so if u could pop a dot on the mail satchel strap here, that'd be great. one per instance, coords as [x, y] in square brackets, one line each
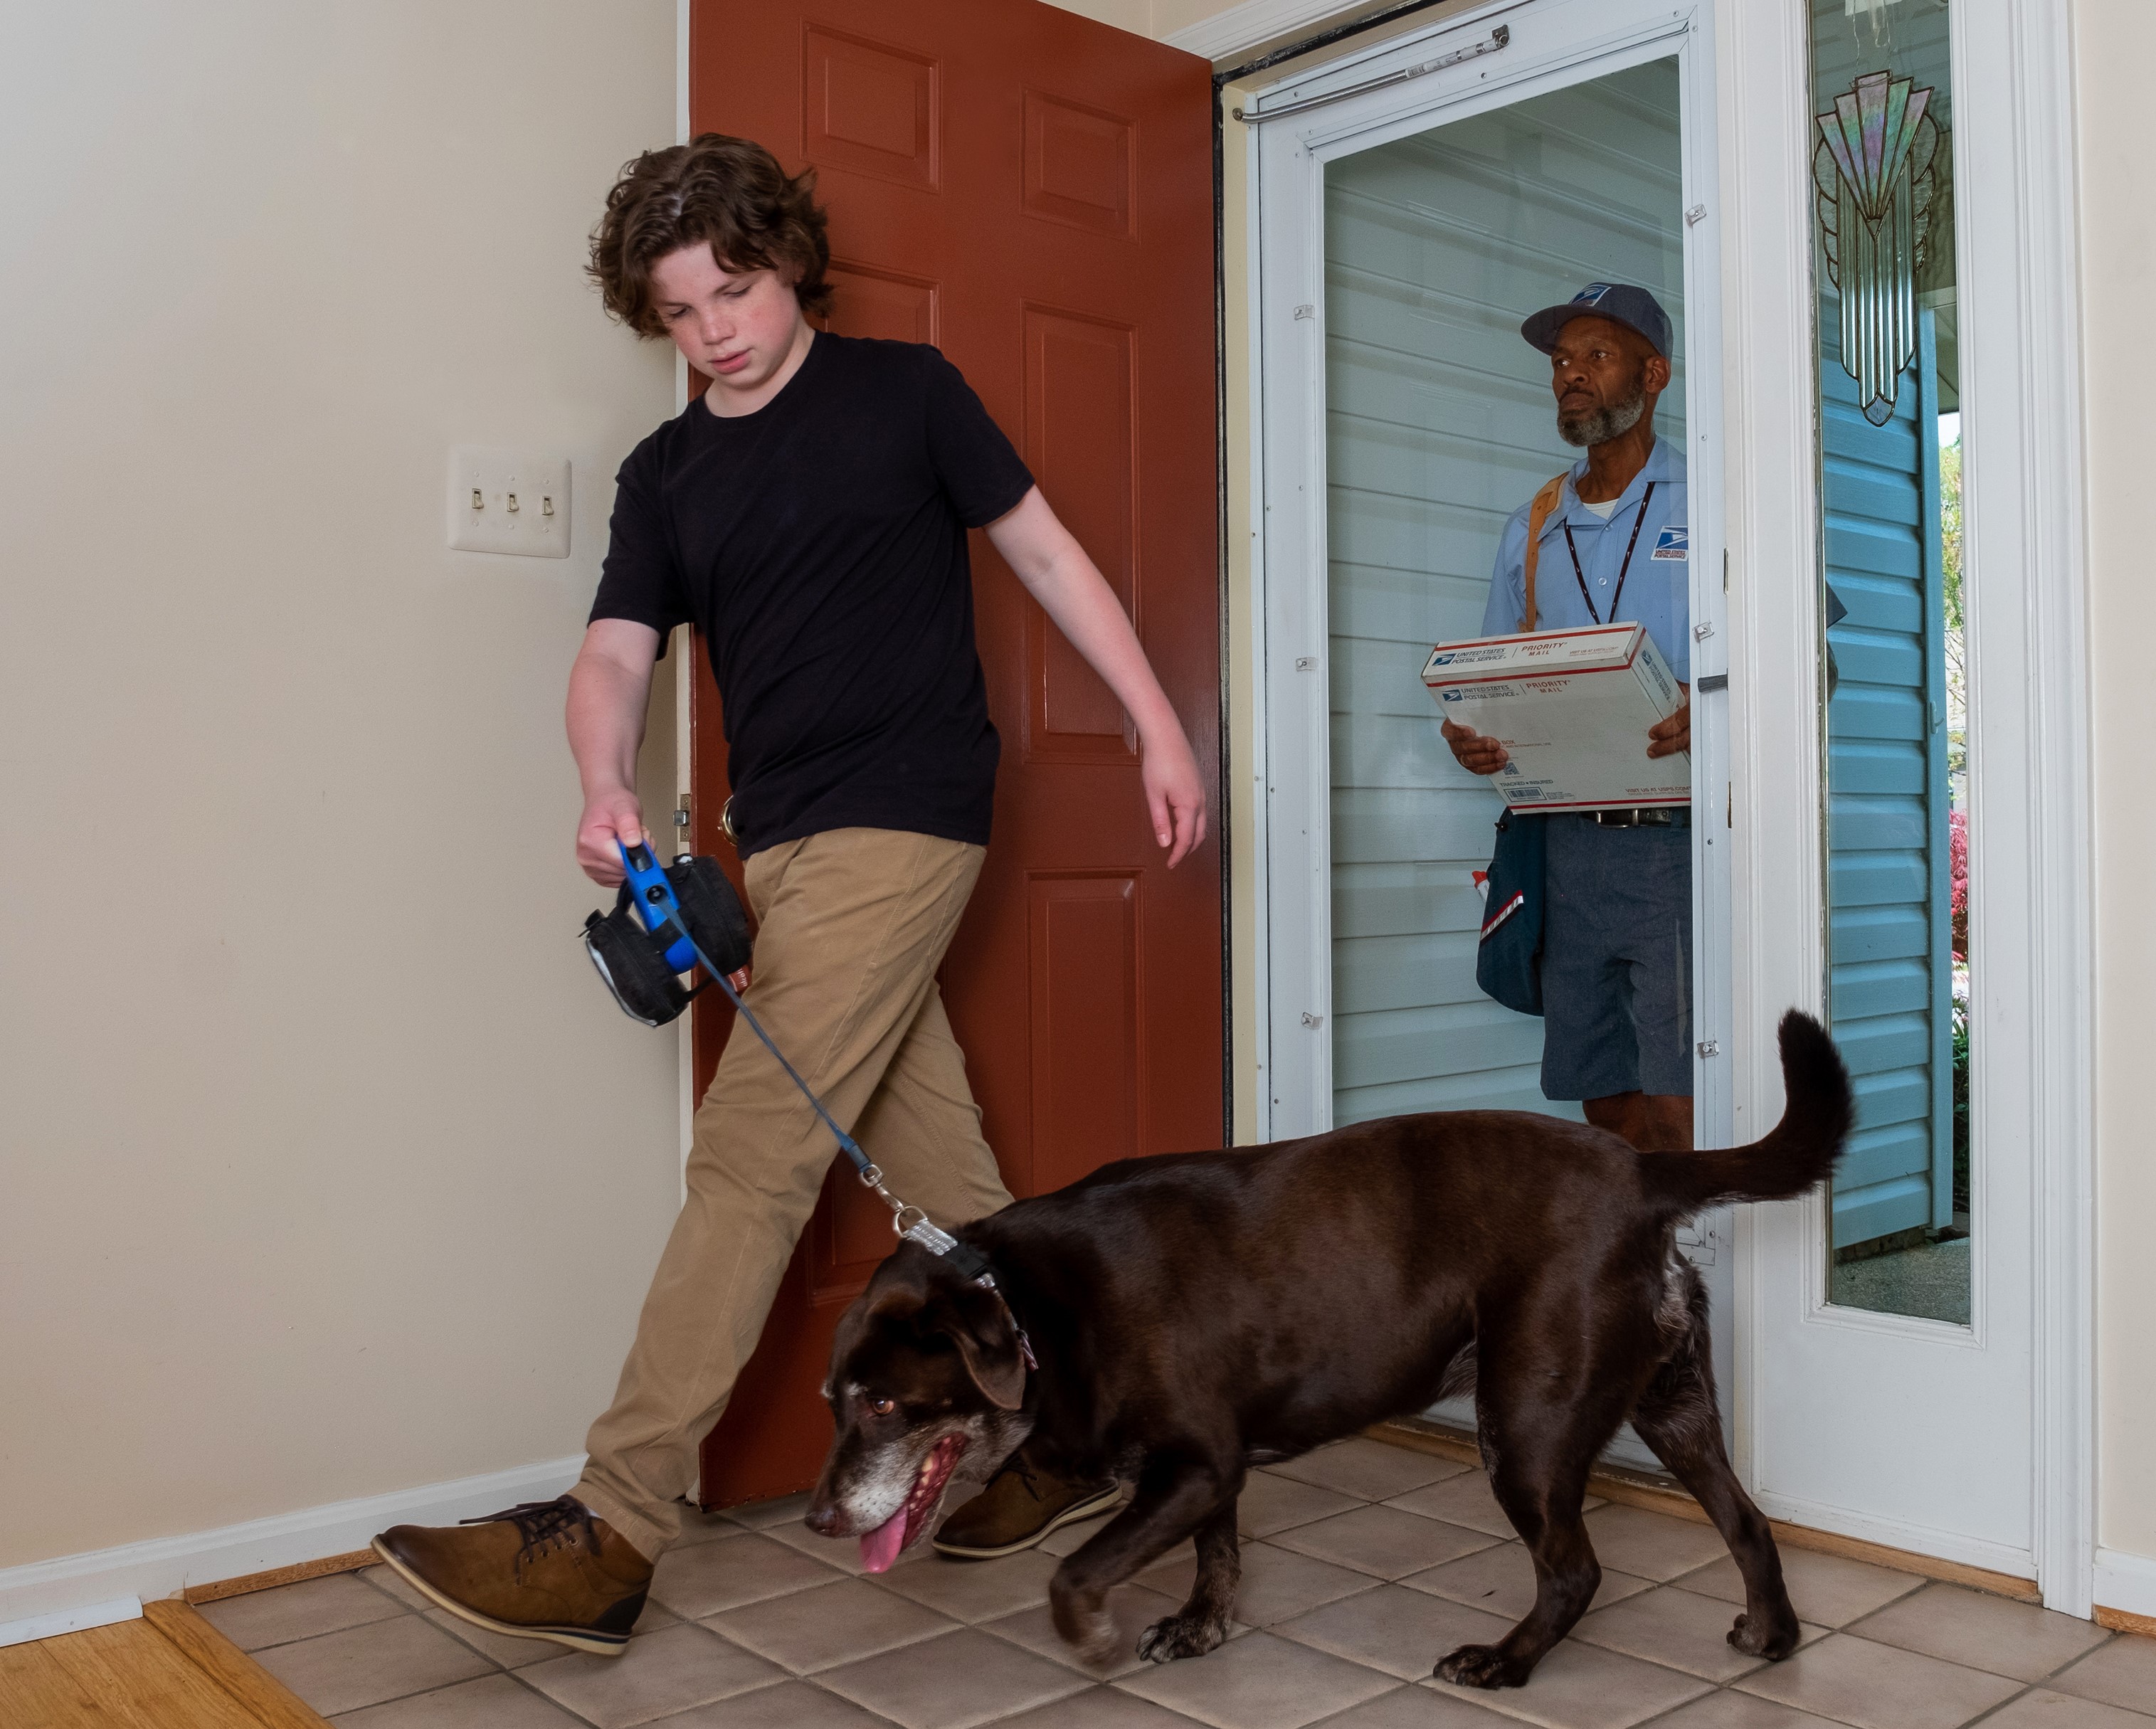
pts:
[1545, 501]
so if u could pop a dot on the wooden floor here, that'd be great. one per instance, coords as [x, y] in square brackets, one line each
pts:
[170, 1670]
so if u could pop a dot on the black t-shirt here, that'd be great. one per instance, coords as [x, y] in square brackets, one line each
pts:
[819, 545]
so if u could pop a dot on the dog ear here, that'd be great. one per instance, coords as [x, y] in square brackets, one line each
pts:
[988, 1344]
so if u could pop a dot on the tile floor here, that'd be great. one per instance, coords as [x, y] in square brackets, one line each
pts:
[1365, 1563]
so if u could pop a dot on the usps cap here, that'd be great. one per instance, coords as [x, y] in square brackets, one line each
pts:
[1619, 302]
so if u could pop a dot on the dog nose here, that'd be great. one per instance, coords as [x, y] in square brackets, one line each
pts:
[823, 1520]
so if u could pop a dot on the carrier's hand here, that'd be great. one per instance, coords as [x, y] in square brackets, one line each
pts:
[1174, 795]
[1472, 751]
[1666, 738]
[611, 820]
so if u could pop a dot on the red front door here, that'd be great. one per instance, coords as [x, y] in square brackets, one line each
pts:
[1031, 192]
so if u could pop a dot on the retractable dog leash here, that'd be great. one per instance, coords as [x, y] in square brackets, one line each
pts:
[666, 921]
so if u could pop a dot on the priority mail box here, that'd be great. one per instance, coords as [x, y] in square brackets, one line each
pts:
[1572, 708]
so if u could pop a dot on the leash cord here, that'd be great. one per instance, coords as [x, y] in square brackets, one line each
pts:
[847, 1144]
[967, 1261]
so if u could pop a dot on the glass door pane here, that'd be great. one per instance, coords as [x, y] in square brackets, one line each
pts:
[1440, 423]
[1889, 487]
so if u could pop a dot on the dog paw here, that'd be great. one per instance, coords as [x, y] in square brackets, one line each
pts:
[1773, 1640]
[1181, 1636]
[1481, 1666]
[1092, 1637]
[1085, 1625]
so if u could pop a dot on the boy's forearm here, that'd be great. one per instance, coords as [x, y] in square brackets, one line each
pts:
[1079, 602]
[605, 717]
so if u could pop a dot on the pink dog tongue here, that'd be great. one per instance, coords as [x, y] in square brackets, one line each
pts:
[881, 1546]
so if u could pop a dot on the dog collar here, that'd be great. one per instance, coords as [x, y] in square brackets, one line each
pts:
[967, 1262]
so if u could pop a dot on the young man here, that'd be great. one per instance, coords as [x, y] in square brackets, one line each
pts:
[1616, 963]
[808, 516]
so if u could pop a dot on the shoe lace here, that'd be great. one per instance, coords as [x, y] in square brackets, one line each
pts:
[546, 1524]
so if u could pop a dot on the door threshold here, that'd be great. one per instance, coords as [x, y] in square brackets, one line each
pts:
[171, 1662]
[1658, 1492]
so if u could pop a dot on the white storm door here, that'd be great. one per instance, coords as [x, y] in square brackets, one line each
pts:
[1922, 1388]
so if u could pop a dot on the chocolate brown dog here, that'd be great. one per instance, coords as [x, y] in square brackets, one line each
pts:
[1197, 1314]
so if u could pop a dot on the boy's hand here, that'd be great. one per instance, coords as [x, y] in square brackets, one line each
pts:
[1472, 751]
[611, 820]
[1174, 795]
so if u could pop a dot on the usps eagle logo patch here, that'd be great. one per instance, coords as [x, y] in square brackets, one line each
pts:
[1672, 543]
[1591, 295]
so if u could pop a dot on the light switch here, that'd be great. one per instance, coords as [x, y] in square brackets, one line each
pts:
[509, 502]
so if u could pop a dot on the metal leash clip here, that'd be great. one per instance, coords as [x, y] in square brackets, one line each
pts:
[968, 1262]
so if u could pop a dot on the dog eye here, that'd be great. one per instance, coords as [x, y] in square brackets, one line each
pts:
[883, 1407]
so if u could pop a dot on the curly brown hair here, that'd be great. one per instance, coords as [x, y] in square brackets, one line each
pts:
[727, 193]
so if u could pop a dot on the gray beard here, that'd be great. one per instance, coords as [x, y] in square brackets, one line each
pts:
[1599, 426]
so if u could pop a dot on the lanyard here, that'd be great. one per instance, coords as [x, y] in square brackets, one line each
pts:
[1623, 570]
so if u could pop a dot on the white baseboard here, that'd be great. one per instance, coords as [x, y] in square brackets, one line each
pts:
[167, 1565]
[91, 1614]
[2125, 1581]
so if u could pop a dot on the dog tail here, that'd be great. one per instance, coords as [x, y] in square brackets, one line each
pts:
[1801, 1150]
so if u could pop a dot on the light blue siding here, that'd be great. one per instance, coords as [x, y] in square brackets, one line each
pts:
[1891, 974]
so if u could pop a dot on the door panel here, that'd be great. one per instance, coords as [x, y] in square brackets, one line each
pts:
[1032, 191]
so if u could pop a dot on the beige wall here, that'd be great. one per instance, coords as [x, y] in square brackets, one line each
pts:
[323, 1176]
[354, 1187]
[1135, 15]
[2116, 42]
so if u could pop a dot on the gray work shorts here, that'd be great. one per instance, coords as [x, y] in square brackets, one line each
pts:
[1616, 963]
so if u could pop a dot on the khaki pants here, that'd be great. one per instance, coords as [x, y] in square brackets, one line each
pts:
[852, 926]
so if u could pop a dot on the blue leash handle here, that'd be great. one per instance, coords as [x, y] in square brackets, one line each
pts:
[653, 896]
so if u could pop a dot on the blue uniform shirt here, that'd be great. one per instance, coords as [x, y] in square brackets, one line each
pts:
[1657, 591]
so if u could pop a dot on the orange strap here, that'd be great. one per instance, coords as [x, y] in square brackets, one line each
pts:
[1538, 512]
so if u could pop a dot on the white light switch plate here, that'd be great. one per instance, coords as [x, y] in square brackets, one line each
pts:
[509, 502]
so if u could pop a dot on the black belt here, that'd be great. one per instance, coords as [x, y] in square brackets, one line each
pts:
[1644, 816]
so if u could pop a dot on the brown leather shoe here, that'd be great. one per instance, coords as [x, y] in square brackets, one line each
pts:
[1021, 1504]
[544, 1569]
